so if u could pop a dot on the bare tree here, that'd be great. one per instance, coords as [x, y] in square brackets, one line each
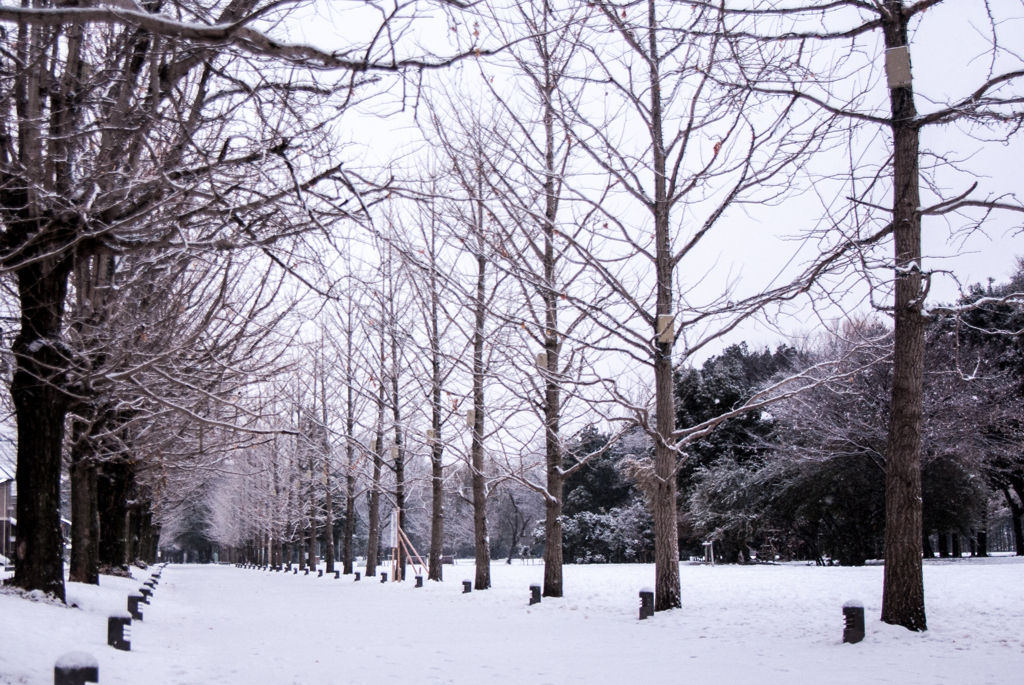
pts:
[423, 249]
[462, 144]
[693, 148]
[527, 247]
[847, 91]
[125, 132]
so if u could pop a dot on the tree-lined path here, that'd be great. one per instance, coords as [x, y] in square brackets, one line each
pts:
[221, 624]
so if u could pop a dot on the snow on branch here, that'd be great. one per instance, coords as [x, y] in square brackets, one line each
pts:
[1016, 299]
[237, 34]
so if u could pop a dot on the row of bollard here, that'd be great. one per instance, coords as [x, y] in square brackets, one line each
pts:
[853, 611]
[295, 571]
[320, 572]
[78, 668]
[119, 625]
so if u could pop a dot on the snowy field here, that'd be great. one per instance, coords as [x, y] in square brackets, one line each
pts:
[754, 624]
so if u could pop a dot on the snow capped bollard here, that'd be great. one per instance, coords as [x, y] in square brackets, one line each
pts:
[853, 612]
[419, 581]
[133, 606]
[295, 571]
[76, 668]
[357, 575]
[646, 603]
[337, 574]
[534, 594]
[145, 592]
[383, 577]
[320, 573]
[467, 586]
[119, 632]
[306, 573]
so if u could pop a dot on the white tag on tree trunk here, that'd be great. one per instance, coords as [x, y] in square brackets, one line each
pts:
[666, 328]
[897, 67]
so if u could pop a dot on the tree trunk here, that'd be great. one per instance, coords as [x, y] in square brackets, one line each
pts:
[146, 550]
[133, 523]
[85, 523]
[903, 589]
[553, 534]
[943, 546]
[350, 523]
[663, 495]
[396, 414]
[518, 528]
[350, 479]
[113, 485]
[435, 569]
[481, 546]
[550, 372]
[956, 549]
[329, 522]
[926, 545]
[981, 548]
[328, 494]
[40, 405]
[156, 541]
[313, 540]
[1016, 511]
[373, 536]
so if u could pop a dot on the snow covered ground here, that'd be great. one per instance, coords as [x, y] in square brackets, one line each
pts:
[763, 624]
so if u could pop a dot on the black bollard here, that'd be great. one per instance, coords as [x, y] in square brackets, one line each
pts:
[320, 573]
[357, 575]
[534, 594]
[76, 668]
[383, 577]
[467, 586]
[119, 634]
[306, 573]
[646, 603]
[295, 571]
[419, 581]
[145, 592]
[853, 612]
[337, 574]
[133, 606]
